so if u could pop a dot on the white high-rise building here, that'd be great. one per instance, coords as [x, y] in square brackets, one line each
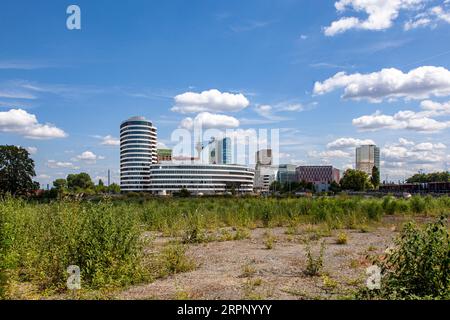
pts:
[138, 151]
[367, 157]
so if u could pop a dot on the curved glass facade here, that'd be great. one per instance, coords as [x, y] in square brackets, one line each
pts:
[206, 179]
[138, 143]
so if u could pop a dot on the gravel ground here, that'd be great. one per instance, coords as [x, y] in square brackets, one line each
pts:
[246, 269]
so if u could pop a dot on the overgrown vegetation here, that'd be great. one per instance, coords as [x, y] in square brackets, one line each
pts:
[42, 241]
[173, 260]
[418, 266]
[104, 238]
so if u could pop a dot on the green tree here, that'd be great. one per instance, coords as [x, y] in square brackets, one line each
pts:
[79, 181]
[335, 187]
[431, 177]
[375, 178]
[16, 171]
[60, 184]
[114, 188]
[355, 180]
[100, 188]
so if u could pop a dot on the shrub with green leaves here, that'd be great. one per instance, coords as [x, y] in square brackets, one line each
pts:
[418, 204]
[418, 267]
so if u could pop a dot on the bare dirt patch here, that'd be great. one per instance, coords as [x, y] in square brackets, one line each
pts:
[247, 269]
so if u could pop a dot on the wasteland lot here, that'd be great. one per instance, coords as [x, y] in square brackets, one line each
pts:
[218, 248]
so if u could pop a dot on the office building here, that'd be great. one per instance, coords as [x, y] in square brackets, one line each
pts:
[220, 151]
[264, 177]
[286, 173]
[320, 176]
[367, 157]
[138, 150]
[264, 157]
[207, 179]
[164, 155]
[265, 173]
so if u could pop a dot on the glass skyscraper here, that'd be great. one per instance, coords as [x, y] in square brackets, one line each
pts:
[220, 151]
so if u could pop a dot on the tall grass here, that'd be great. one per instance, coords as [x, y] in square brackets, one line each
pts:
[172, 216]
[39, 241]
[43, 240]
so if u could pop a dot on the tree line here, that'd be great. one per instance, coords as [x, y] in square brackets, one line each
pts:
[17, 171]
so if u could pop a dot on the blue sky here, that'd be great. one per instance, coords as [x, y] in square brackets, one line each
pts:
[328, 74]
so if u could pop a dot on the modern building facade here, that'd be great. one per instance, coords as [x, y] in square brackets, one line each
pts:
[264, 157]
[138, 151]
[220, 151]
[320, 176]
[367, 157]
[264, 177]
[265, 173]
[164, 155]
[208, 179]
[287, 173]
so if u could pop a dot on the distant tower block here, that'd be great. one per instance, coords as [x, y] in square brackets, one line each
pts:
[138, 151]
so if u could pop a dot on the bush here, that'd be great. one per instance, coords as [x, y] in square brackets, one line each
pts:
[418, 205]
[374, 210]
[389, 205]
[419, 265]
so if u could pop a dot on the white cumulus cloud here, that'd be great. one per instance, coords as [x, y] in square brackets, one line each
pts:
[422, 121]
[346, 143]
[212, 100]
[89, 156]
[60, 165]
[110, 141]
[430, 17]
[421, 83]
[32, 150]
[413, 156]
[208, 120]
[381, 14]
[20, 122]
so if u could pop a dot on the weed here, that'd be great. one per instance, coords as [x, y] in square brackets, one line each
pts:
[314, 264]
[342, 238]
[329, 284]
[174, 260]
[248, 270]
[269, 240]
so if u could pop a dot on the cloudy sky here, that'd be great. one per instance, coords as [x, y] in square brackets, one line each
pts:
[329, 74]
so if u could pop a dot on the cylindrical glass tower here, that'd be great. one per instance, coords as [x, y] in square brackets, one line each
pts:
[138, 150]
